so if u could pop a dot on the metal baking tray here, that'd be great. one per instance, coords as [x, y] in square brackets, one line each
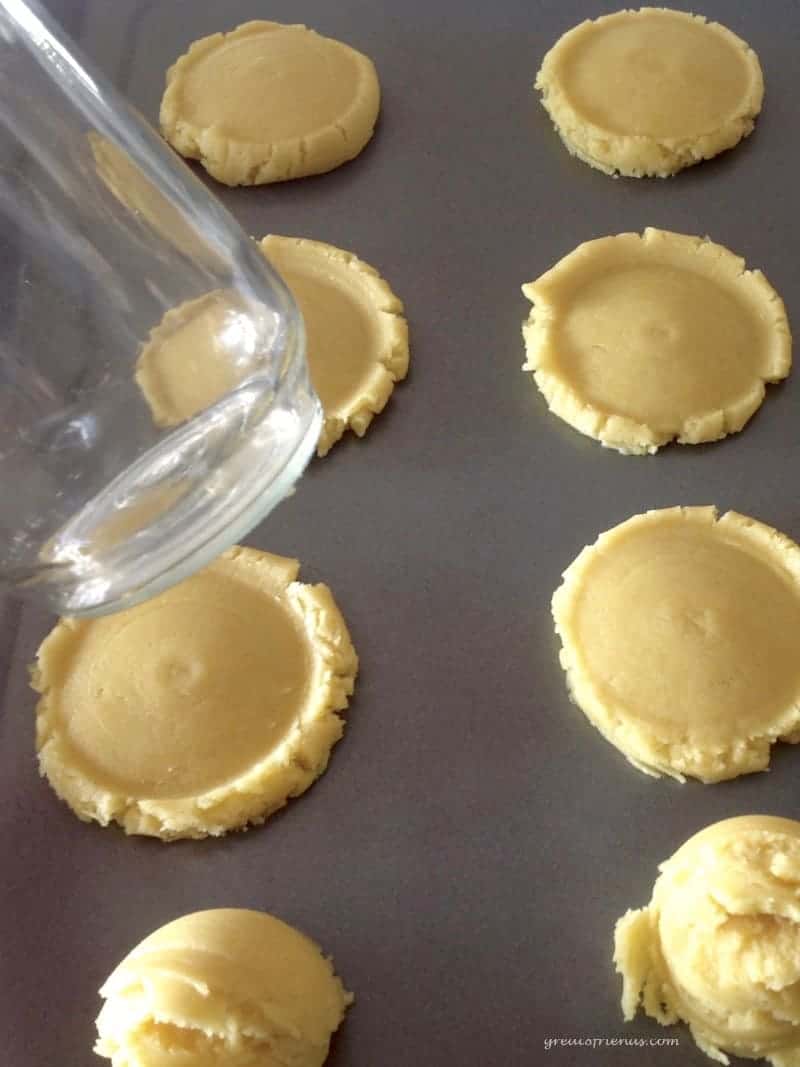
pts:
[473, 841]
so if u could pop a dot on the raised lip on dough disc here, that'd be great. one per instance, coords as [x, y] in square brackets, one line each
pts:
[696, 607]
[669, 346]
[249, 790]
[618, 147]
[363, 287]
[311, 148]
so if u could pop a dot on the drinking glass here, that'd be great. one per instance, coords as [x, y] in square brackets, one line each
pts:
[155, 401]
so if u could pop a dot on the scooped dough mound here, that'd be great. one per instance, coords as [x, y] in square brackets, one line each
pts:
[718, 944]
[268, 102]
[649, 92]
[357, 338]
[223, 988]
[637, 340]
[679, 640]
[198, 711]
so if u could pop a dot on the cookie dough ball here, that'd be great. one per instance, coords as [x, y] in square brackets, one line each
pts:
[679, 641]
[718, 944]
[268, 102]
[224, 988]
[637, 340]
[357, 338]
[649, 92]
[201, 710]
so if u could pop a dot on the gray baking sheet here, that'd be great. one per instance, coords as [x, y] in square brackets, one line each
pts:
[467, 852]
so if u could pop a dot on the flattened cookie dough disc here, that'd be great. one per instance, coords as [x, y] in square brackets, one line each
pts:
[679, 640]
[268, 102]
[717, 945]
[356, 335]
[637, 340]
[649, 92]
[200, 710]
[228, 987]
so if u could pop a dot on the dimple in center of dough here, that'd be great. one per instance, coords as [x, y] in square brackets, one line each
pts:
[657, 344]
[686, 629]
[183, 698]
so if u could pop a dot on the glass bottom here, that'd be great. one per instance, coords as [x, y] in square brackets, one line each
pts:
[184, 502]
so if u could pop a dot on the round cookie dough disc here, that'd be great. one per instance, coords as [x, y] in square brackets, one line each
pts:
[637, 340]
[228, 986]
[649, 92]
[268, 102]
[198, 711]
[717, 945]
[679, 640]
[357, 338]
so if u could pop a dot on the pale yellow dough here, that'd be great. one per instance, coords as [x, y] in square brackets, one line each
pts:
[719, 944]
[223, 988]
[649, 92]
[268, 102]
[189, 363]
[155, 212]
[679, 640]
[637, 340]
[357, 338]
[201, 710]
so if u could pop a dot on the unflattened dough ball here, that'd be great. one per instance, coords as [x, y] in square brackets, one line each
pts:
[718, 944]
[679, 640]
[222, 988]
[357, 338]
[198, 711]
[267, 102]
[637, 340]
[649, 92]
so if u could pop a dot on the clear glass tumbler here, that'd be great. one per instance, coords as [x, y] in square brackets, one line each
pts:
[155, 401]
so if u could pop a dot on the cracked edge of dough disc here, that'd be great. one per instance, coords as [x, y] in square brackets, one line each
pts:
[639, 155]
[642, 747]
[620, 432]
[391, 360]
[266, 786]
[237, 162]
